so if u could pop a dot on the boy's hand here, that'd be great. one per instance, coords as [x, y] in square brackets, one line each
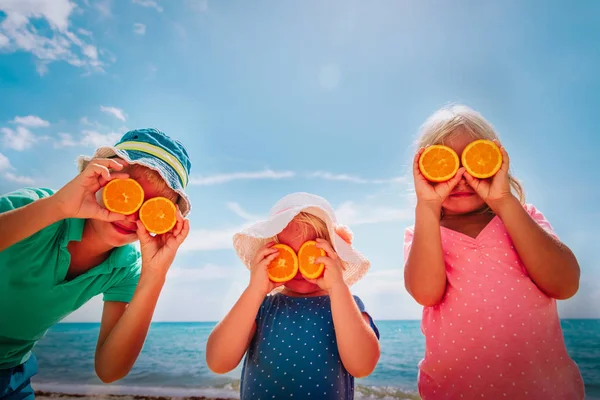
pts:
[259, 277]
[430, 193]
[158, 252]
[334, 269]
[77, 199]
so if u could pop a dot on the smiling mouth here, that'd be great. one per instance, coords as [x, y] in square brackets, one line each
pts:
[123, 230]
[462, 194]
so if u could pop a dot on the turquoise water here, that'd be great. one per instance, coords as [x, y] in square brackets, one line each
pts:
[173, 363]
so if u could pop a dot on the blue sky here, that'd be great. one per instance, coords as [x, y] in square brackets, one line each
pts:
[326, 97]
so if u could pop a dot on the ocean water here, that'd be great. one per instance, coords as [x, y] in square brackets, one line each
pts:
[173, 361]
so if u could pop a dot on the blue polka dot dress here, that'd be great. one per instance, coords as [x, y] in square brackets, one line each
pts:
[294, 353]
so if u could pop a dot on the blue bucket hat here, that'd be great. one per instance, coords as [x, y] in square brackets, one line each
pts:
[153, 149]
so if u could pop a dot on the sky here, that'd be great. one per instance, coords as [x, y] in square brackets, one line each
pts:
[277, 97]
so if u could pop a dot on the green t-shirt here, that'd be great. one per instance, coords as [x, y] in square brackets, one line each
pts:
[34, 294]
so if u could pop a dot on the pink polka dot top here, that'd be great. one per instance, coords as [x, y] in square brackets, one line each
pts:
[495, 335]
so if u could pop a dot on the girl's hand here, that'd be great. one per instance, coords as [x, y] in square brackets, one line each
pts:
[334, 269]
[259, 277]
[158, 252]
[77, 199]
[429, 193]
[496, 190]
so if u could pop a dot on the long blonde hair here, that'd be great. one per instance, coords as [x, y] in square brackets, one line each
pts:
[442, 124]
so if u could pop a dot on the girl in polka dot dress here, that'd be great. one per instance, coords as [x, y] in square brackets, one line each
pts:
[308, 338]
[488, 270]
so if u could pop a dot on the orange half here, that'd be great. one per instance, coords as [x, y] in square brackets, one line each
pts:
[123, 196]
[159, 215]
[438, 163]
[307, 256]
[285, 266]
[482, 158]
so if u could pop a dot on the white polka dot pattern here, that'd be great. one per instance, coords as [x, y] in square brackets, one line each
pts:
[495, 334]
[294, 352]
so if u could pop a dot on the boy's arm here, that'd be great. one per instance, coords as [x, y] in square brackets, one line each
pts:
[77, 199]
[550, 264]
[124, 329]
[230, 339]
[20, 223]
[357, 343]
[424, 270]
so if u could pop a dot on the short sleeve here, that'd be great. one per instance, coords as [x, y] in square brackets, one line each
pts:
[540, 219]
[409, 234]
[123, 290]
[362, 308]
[22, 197]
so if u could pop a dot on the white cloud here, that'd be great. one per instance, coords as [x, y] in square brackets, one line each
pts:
[66, 140]
[55, 44]
[224, 178]
[6, 168]
[116, 112]
[197, 5]
[239, 211]
[149, 4]
[354, 179]
[84, 32]
[103, 7]
[97, 139]
[350, 213]
[19, 179]
[384, 295]
[4, 162]
[211, 239]
[4, 41]
[208, 272]
[139, 29]
[18, 139]
[31, 121]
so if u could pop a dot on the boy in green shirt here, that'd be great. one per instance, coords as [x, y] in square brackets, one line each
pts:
[60, 249]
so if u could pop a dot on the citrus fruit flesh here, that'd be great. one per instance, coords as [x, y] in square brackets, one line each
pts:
[159, 215]
[438, 163]
[482, 158]
[307, 256]
[123, 196]
[285, 266]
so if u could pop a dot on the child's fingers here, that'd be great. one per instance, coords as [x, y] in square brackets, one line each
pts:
[325, 245]
[114, 175]
[142, 233]
[183, 234]
[416, 170]
[267, 260]
[109, 216]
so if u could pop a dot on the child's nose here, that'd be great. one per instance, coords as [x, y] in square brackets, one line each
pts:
[133, 217]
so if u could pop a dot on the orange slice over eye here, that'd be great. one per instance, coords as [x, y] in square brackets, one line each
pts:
[307, 256]
[159, 215]
[285, 266]
[438, 163]
[123, 196]
[482, 158]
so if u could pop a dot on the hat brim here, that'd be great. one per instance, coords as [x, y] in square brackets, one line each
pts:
[247, 242]
[155, 164]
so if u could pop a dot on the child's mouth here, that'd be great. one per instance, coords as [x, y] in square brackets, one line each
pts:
[122, 230]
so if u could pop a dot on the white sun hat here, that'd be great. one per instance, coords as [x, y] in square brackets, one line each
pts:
[248, 241]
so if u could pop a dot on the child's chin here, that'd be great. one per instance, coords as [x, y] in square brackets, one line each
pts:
[301, 286]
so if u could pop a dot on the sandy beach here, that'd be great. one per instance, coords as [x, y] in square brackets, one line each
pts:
[41, 395]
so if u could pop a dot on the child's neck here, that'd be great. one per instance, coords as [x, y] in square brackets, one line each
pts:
[470, 224]
[316, 293]
[87, 253]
